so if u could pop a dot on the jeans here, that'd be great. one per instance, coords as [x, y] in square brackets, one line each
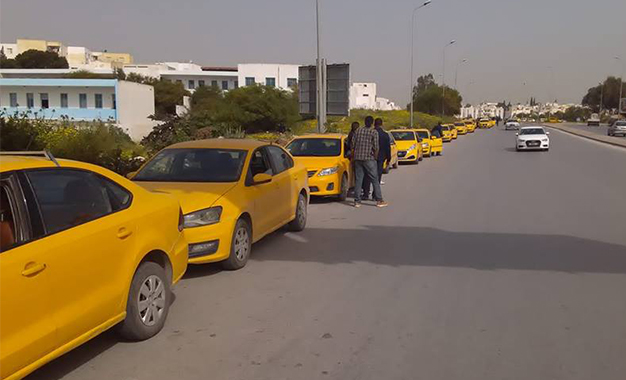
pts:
[367, 186]
[362, 169]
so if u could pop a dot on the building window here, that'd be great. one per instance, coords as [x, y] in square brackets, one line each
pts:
[82, 100]
[366, 94]
[113, 102]
[45, 102]
[13, 99]
[224, 85]
[214, 83]
[63, 100]
[200, 83]
[192, 84]
[270, 82]
[9, 50]
[249, 81]
[98, 100]
[236, 84]
[30, 100]
[292, 82]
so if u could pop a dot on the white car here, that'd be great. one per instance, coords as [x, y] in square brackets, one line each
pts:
[594, 120]
[511, 124]
[532, 138]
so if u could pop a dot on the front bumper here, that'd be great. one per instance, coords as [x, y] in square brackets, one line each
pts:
[215, 240]
[532, 145]
[408, 156]
[325, 185]
[179, 258]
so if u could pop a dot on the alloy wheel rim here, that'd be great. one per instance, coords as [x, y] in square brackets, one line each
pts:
[242, 243]
[151, 300]
[301, 211]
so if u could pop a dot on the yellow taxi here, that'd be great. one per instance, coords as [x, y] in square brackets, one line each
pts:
[461, 128]
[484, 123]
[325, 157]
[233, 192]
[447, 132]
[454, 132]
[471, 126]
[80, 253]
[432, 145]
[409, 147]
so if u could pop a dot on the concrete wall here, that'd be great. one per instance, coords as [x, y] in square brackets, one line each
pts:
[10, 50]
[260, 72]
[135, 103]
[363, 95]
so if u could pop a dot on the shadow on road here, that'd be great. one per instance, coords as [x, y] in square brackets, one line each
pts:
[429, 247]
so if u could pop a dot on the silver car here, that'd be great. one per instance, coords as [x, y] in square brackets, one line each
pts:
[618, 128]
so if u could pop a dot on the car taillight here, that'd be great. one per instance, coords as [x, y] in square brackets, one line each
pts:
[181, 220]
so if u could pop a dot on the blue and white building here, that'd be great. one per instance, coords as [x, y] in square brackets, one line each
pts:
[126, 104]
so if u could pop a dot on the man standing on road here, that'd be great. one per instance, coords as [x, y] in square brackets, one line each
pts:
[437, 130]
[353, 129]
[365, 148]
[384, 148]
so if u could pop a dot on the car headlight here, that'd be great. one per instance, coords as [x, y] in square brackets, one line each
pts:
[412, 147]
[424, 145]
[328, 171]
[204, 217]
[544, 140]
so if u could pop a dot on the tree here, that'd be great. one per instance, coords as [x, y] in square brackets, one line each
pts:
[167, 95]
[608, 91]
[206, 99]
[37, 59]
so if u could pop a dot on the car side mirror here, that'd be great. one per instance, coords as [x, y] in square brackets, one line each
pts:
[516, 134]
[547, 133]
[261, 178]
[131, 175]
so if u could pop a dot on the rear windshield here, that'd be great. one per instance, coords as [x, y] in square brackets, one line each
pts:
[403, 136]
[315, 147]
[194, 165]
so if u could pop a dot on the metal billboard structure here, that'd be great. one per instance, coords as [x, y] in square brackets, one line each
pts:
[333, 96]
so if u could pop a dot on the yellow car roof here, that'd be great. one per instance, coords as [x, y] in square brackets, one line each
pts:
[8, 163]
[247, 144]
[320, 136]
[422, 130]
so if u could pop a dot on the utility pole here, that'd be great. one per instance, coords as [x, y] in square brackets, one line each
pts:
[412, 55]
[456, 71]
[621, 86]
[321, 80]
[443, 79]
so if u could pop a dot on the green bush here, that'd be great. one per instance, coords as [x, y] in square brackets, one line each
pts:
[94, 142]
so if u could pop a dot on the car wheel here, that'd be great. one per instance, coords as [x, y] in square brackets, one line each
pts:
[240, 246]
[299, 222]
[344, 188]
[148, 303]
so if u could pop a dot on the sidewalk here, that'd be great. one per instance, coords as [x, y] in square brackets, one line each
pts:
[616, 141]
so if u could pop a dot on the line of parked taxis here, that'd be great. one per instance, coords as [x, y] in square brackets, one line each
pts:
[83, 249]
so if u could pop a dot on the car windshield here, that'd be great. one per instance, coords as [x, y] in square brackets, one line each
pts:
[621, 123]
[315, 147]
[404, 136]
[460, 124]
[532, 131]
[445, 127]
[194, 165]
[423, 134]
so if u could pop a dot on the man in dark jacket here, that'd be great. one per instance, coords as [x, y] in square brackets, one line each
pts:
[438, 130]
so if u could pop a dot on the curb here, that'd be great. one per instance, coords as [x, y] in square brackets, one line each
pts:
[598, 138]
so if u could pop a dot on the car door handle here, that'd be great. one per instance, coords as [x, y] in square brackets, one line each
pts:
[123, 233]
[31, 270]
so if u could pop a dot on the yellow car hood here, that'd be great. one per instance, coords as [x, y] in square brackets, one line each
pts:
[406, 144]
[316, 163]
[192, 196]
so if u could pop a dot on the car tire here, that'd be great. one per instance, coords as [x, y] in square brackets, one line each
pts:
[148, 303]
[345, 187]
[299, 223]
[240, 246]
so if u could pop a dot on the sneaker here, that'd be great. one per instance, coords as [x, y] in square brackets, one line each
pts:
[381, 204]
[357, 204]
[382, 182]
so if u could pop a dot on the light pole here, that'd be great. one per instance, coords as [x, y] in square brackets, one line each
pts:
[443, 79]
[621, 86]
[320, 107]
[456, 71]
[413, 53]
[601, 98]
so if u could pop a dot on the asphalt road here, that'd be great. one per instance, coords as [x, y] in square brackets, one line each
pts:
[488, 264]
[600, 130]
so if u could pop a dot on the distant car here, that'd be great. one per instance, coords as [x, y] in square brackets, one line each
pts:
[511, 124]
[393, 164]
[594, 119]
[447, 132]
[431, 144]
[532, 138]
[409, 145]
[618, 128]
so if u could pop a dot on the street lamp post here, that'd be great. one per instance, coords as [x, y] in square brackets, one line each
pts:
[412, 55]
[321, 115]
[456, 71]
[621, 86]
[443, 79]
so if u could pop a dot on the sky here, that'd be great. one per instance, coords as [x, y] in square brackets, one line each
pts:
[548, 49]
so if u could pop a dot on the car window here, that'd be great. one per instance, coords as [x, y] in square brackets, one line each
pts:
[403, 136]
[259, 164]
[8, 217]
[68, 197]
[119, 197]
[314, 147]
[281, 160]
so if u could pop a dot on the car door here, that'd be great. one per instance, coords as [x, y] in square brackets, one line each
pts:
[89, 240]
[284, 184]
[28, 331]
[263, 195]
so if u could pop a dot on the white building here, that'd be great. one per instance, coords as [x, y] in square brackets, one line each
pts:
[126, 104]
[482, 110]
[364, 96]
[274, 75]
